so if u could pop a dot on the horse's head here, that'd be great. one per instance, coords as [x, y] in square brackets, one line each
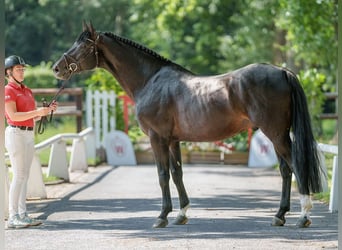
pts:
[81, 56]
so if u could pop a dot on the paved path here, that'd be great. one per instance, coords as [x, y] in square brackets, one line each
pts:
[114, 208]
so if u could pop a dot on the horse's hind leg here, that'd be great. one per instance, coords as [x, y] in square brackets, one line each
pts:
[284, 151]
[161, 153]
[177, 176]
[306, 205]
[286, 174]
[282, 145]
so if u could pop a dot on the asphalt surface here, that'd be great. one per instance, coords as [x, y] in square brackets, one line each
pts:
[115, 208]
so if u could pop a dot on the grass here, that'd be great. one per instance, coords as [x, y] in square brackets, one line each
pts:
[57, 126]
[329, 128]
[46, 179]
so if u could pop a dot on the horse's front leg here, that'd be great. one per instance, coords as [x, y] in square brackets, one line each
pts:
[161, 155]
[177, 176]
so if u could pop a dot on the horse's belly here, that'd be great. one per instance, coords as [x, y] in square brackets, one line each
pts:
[210, 130]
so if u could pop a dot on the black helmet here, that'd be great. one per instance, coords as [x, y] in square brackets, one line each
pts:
[13, 60]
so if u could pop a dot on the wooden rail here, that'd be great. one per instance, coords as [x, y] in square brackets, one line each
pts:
[65, 108]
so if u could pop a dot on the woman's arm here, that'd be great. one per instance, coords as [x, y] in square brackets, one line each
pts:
[11, 110]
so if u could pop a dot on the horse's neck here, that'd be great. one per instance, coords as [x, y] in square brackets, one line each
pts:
[131, 68]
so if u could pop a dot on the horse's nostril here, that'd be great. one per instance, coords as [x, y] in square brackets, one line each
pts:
[55, 69]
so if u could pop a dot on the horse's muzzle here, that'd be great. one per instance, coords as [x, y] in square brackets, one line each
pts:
[59, 74]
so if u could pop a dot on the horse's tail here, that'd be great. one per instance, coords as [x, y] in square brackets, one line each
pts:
[305, 160]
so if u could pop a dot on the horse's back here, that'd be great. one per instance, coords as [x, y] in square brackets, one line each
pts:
[196, 108]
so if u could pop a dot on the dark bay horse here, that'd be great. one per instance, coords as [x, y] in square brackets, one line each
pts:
[173, 105]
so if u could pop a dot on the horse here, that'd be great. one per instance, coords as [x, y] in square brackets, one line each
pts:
[172, 104]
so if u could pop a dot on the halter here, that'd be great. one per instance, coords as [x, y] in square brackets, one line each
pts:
[75, 65]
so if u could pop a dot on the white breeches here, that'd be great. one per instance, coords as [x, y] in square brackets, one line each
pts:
[20, 147]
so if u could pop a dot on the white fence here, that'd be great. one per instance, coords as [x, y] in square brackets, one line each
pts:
[100, 113]
[83, 148]
[332, 149]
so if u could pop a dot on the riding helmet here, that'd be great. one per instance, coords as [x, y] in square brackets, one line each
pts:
[12, 61]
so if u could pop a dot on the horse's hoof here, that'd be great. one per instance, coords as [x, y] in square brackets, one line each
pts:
[303, 222]
[181, 220]
[277, 222]
[160, 223]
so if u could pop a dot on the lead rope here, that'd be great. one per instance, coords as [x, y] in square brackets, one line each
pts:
[44, 120]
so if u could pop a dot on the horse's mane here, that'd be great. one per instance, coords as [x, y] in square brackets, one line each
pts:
[138, 46]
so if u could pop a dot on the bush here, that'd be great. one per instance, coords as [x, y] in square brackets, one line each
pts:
[40, 76]
[314, 84]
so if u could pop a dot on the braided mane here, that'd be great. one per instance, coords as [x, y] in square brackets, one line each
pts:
[137, 46]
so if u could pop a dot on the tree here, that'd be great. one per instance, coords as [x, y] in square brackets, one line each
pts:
[311, 32]
[41, 30]
[188, 32]
[256, 38]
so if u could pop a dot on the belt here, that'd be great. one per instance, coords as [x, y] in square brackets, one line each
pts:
[22, 127]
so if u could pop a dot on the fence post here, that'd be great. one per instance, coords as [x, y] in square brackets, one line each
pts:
[333, 203]
[78, 157]
[89, 138]
[332, 149]
[89, 108]
[36, 186]
[58, 161]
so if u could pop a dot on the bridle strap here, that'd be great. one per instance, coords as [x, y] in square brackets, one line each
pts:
[75, 65]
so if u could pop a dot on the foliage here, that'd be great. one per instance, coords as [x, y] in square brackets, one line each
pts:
[183, 30]
[314, 83]
[311, 26]
[40, 76]
[135, 133]
[239, 141]
[102, 80]
[256, 38]
[53, 25]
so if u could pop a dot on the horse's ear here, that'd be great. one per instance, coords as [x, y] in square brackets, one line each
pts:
[91, 28]
[84, 25]
[88, 27]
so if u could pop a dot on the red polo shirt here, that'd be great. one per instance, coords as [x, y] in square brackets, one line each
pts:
[24, 100]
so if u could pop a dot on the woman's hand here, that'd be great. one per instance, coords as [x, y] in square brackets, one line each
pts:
[44, 111]
[53, 105]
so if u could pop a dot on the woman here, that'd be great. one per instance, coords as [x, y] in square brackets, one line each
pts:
[21, 113]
